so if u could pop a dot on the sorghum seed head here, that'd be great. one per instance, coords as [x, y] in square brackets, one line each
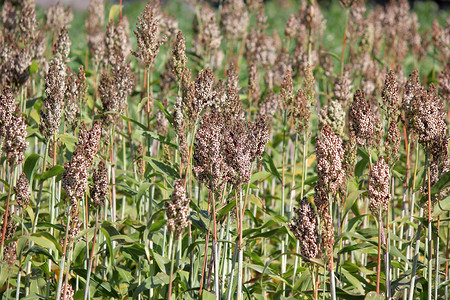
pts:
[305, 227]
[379, 179]
[99, 189]
[62, 44]
[363, 120]
[22, 191]
[392, 143]
[177, 209]
[390, 95]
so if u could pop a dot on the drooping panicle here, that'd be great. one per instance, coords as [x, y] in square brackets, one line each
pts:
[392, 143]
[444, 84]
[333, 114]
[7, 109]
[428, 116]
[62, 44]
[234, 19]
[94, 30]
[99, 189]
[114, 88]
[363, 120]
[390, 94]
[378, 190]
[55, 88]
[148, 34]
[412, 87]
[330, 171]
[209, 161]
[58, 16]
[75, 177]
[177, 209]
[179, 56]
[342, 89]
[22, 191]
[286, 91]
[300, 112]
[207, 33]
[14, 144]
[305, 227]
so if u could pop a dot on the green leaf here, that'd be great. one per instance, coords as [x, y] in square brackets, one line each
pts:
[143, 188]
[350, 201]
[442, 183]
[54, 171]
[43, 242]
[165, 111]
[103, 287]
[160, 279]
[109, 244]
[442, 206]
[141, 104]
[225, 210]
[114, 12]
[162, 262]
[354, 247]
[373, 296]
[135, 122]
[259, 176]
[353, 280]
[270, 166]
[162, 167]
[30, 165]
[34, 67]
[68, 140]
[157, 225]
[163, 139]
[36, 250]
[208, 295]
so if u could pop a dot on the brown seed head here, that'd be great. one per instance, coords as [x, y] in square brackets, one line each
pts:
[148, 35]
[378, 190]
[177, 209]
[305, 227]
[99, 190]
[390, 96]
[22, 191]
[55, 88]
[363, 120]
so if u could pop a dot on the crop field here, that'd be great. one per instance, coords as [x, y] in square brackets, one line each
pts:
[225, 150]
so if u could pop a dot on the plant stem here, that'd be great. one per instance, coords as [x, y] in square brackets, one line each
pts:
[91, 258]
[416, 257]
[171, 256]
[241, 251]
[63, 259]
[379, 251]
[6, 214]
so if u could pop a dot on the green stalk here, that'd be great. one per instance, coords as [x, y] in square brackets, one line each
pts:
[91, 258]
[416, 257]
[283, 196]
[170, 256]
[113, 177]
[233, 265]
[437, 266]
[6, 214]
[332, 277]
[240, 295]
[429, 238]
[379, 250]
[214, 249]
[297, 245]
[63, 259]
